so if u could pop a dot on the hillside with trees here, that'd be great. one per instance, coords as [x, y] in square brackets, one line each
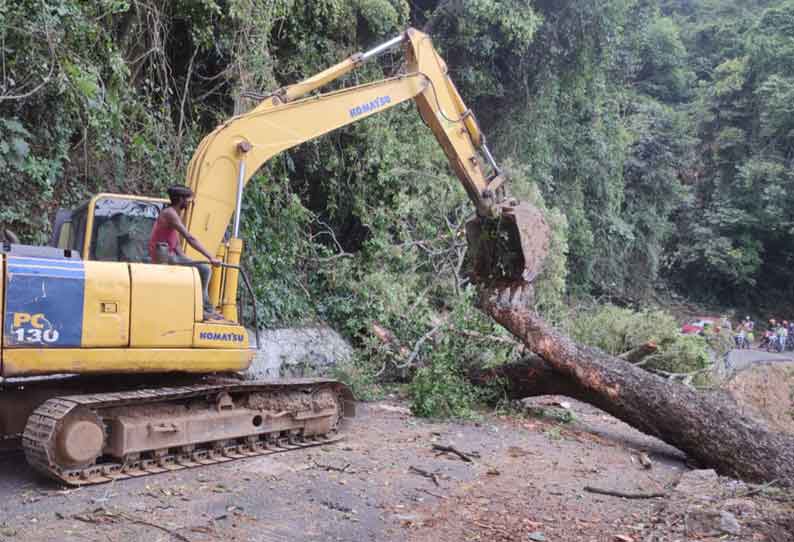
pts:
[656, 134]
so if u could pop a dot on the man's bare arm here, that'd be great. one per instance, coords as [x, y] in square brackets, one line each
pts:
[173, 219]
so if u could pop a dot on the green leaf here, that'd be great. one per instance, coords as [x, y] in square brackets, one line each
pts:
[14, 126]
[21, 148]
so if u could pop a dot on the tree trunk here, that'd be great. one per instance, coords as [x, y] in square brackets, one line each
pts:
[706, 427]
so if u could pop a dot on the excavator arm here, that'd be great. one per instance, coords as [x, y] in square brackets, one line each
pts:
[229, 156]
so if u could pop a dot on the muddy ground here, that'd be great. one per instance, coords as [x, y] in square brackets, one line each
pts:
[385, 482]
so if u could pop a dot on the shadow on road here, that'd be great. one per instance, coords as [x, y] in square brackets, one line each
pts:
[15, 474]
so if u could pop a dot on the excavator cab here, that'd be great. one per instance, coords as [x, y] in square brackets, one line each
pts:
[109, 228]
[117, 228]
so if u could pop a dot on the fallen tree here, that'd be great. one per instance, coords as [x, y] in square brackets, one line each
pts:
[704, 426]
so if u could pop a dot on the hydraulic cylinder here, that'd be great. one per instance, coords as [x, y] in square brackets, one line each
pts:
[234, 251]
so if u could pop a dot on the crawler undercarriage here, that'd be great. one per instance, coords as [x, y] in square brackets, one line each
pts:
[93, 438]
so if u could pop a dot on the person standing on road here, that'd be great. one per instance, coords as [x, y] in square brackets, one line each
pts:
[782, 334]
[748, 323]
[786, 335]
[164, 246]
[725, 323]
[741, 338]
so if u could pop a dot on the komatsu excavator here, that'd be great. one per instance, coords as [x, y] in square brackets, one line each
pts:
[93, 310]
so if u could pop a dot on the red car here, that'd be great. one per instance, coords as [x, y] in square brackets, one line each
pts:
[696, 325]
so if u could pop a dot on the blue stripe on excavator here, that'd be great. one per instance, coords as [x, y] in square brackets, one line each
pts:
[46, 262]
[44, 303]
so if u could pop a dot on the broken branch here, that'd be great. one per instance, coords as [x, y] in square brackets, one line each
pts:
[173, 533]
[639, 353]
[331, 467]
[452, 450]
[426, 474]
[623, 494]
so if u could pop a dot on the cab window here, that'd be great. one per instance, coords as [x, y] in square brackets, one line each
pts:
[122, 228]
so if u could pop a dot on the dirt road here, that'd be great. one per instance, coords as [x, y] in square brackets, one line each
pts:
[527, 484]
[529, 479]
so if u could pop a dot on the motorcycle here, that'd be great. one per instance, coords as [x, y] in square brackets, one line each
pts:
[766, 340]
[776, 344]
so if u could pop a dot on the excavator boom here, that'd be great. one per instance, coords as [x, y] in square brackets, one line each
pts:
[506, 238]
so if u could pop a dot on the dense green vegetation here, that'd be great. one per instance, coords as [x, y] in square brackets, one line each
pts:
[657, 134]
[616, 330]
[734, 234]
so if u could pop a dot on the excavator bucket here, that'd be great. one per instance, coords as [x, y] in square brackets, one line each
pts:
[512, 247]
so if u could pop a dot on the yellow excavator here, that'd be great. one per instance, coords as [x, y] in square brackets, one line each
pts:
[109, 370]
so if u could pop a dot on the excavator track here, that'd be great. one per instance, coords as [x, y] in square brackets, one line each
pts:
[86, 439]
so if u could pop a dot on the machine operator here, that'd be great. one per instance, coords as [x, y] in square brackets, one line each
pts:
[164, 245]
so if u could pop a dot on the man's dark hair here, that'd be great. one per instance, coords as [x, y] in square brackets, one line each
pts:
[177, 192]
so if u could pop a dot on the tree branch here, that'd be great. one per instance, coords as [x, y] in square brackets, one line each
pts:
[34, 90]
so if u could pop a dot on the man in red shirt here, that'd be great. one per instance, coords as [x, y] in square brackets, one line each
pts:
[165, 248]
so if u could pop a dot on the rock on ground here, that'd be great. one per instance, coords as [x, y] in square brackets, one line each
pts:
[706, 507]
[298, 352]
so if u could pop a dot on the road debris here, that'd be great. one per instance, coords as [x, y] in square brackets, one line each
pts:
[101, 516]
[624, 494]
[421, 472]
[467, 457]
[523, 484]
[332, 468]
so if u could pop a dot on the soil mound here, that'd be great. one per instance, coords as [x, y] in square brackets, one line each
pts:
[767, 392]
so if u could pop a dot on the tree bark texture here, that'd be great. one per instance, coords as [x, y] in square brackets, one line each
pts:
[706, 427]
